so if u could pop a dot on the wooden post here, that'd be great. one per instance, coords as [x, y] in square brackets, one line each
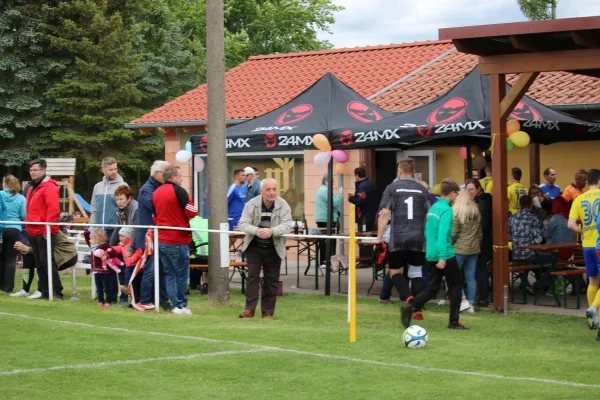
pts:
[71, 199]
[500, 199]
[534, 164]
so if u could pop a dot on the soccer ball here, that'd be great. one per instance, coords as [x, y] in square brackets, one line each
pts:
[415, 337]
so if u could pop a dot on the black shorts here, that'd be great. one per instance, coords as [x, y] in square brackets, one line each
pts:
[399, 259]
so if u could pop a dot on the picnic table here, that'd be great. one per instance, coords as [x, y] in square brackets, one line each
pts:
[554, 249]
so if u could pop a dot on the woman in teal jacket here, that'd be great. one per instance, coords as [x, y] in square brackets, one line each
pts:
[321, 214]
[13, 209]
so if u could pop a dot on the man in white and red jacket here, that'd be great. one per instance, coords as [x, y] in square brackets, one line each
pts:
[173, 207]
[41, 194]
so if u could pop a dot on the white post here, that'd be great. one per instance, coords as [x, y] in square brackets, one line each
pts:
[49, 259]
[156, 272]
[224, 239]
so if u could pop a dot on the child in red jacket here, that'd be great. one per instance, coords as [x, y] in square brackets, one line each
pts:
[105, 278]
[125, 238]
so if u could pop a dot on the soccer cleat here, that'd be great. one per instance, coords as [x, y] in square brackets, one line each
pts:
[406, 315]
[418, 316]
[247, 314]
[457, 325]
[20, 293]
[590, 314]
[143, 307]
[178, 311]
[36, 295]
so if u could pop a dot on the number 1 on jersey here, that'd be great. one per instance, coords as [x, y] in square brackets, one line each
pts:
[409, 205]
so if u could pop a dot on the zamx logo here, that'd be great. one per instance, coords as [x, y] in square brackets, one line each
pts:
[425, 131]
[362, 112]
[346, 138]
[448, 112]
[270, 140]
[204, 143]
[524, 111]
[295, 114]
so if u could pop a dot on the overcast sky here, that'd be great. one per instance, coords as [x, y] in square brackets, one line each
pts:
[373, 22]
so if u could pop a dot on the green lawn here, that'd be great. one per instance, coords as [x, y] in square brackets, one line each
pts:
[303, 354]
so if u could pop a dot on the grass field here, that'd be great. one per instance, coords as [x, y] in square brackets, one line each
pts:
[75, 350]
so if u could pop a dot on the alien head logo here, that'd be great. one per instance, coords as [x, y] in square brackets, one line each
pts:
[362, 112]
[295, 114]
[448, 112]
[524, 111]
[346, 137]
[270, 140]
[425, 131]
[204, 143]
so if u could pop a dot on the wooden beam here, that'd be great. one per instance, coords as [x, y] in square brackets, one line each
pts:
[516, 93]
[528, 43]
[589, 39]
[572, 60]
[500, 199]
[534, 164]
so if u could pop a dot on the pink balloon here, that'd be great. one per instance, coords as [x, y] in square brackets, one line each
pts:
[198, 163]
[322, 159]
[463, 153]
[340, 156]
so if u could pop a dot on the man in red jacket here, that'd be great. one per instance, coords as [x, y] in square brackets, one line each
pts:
[173, 207]
[42, 206]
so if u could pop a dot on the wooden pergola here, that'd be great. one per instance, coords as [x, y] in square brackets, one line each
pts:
[524, 48]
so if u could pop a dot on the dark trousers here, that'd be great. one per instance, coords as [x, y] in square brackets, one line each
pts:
[8, 259]
[269, 260]
[28, 271]
[106, 285]
[453, 280]
[38, 245]
[323, 245]
[364, 226]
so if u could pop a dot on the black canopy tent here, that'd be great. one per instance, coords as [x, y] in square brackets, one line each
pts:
[326, 105]
[461, 117]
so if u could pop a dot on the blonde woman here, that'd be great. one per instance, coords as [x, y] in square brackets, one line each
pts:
[466, 238]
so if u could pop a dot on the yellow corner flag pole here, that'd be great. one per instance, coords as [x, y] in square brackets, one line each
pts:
[352, 277]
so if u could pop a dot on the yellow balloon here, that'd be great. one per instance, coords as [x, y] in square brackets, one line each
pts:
[520, 138]
[436, 190]
[321, 142]
[512, 126]
[339, 168]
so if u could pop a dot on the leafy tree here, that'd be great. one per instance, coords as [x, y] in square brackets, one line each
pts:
[538, 9]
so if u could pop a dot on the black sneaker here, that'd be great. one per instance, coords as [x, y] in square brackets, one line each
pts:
[204, 288]
[166, 307]
[406, 313]
[457, 325]
[123, 303]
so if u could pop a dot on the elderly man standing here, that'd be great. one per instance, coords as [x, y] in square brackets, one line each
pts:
[253, 188]
[145, 216]
[104, 206]
[265, 219]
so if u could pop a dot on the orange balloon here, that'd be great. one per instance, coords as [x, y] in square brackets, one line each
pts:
[339, 168]
[321, 142]
[512, 126]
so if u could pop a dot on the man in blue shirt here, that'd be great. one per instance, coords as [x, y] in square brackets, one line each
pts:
[236, 198]
[549, 188]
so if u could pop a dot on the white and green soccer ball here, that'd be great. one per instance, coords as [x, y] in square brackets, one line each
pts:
[415, 337]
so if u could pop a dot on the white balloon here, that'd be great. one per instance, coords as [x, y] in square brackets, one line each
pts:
[322, 159]
[198, 163]
[183, 156]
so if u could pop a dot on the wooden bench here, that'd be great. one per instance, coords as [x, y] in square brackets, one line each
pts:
[571, 273]
[240, 267]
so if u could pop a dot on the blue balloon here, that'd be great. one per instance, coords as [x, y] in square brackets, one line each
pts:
[188, 146]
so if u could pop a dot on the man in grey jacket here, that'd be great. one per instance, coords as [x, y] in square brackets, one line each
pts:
[265, 219]
[104, 205]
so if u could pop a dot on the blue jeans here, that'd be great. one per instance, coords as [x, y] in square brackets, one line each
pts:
[469, 264]
[147, 293]
[176, 261]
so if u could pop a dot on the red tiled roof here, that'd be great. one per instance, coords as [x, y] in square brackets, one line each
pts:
[264, 83]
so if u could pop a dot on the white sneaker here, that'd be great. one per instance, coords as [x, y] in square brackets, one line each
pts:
[187, 311]
[178, 311]
[20, 293]
[464, 305]
[470, 310]
[442, 302]
[36, 295]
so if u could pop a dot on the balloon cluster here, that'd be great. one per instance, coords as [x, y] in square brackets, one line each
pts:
[326, 154]
[184, 156]
[515, 136]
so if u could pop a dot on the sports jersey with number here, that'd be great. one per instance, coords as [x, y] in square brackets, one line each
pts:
[515, 192]
[585, 208]
[408, 202]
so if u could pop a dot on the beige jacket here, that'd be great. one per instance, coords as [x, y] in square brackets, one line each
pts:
[281, 222]
[466, 237]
